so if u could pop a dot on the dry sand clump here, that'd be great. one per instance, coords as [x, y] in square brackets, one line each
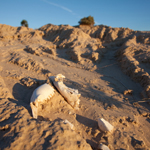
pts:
[12, 35]
[72, 39]
[109, 67]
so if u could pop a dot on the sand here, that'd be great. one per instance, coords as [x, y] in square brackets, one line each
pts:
[109, 67]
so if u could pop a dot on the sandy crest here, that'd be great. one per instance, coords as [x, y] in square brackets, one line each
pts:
[105, 64]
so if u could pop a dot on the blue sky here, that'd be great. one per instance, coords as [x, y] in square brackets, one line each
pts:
[134, 14]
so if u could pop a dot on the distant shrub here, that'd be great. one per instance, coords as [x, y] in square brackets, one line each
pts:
[87, 21]
[24, 23]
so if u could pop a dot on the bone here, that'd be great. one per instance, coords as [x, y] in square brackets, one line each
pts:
[40, 95]
[70, 124]
[103, 147]
[105, 125]
[71, 95]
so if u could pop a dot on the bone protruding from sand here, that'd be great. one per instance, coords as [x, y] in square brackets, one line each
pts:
[70, 124]
[103, 147]
[40, 95]
[71, 95]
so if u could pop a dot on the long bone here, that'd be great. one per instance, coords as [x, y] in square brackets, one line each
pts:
[71, 95]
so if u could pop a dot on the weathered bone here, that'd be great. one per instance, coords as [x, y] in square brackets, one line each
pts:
[70, 124]
[71, 95]
[103, 147]
[40, 94]
[104, 125]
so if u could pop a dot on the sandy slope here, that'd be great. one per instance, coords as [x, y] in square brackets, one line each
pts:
[103, 63]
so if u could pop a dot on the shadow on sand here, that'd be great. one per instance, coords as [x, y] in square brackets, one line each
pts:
[94, 125]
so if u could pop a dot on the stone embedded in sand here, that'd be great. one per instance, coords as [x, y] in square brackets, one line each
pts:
[104, 125]
[103, 147]
[71, 95]
[41, 94]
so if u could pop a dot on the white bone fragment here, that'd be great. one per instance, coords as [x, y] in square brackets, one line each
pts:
[104, 125]
[71, 95]
[40, 94]
[103, 147]
[70, 124]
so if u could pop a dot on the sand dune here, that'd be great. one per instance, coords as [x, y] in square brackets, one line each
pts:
[109, 67]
